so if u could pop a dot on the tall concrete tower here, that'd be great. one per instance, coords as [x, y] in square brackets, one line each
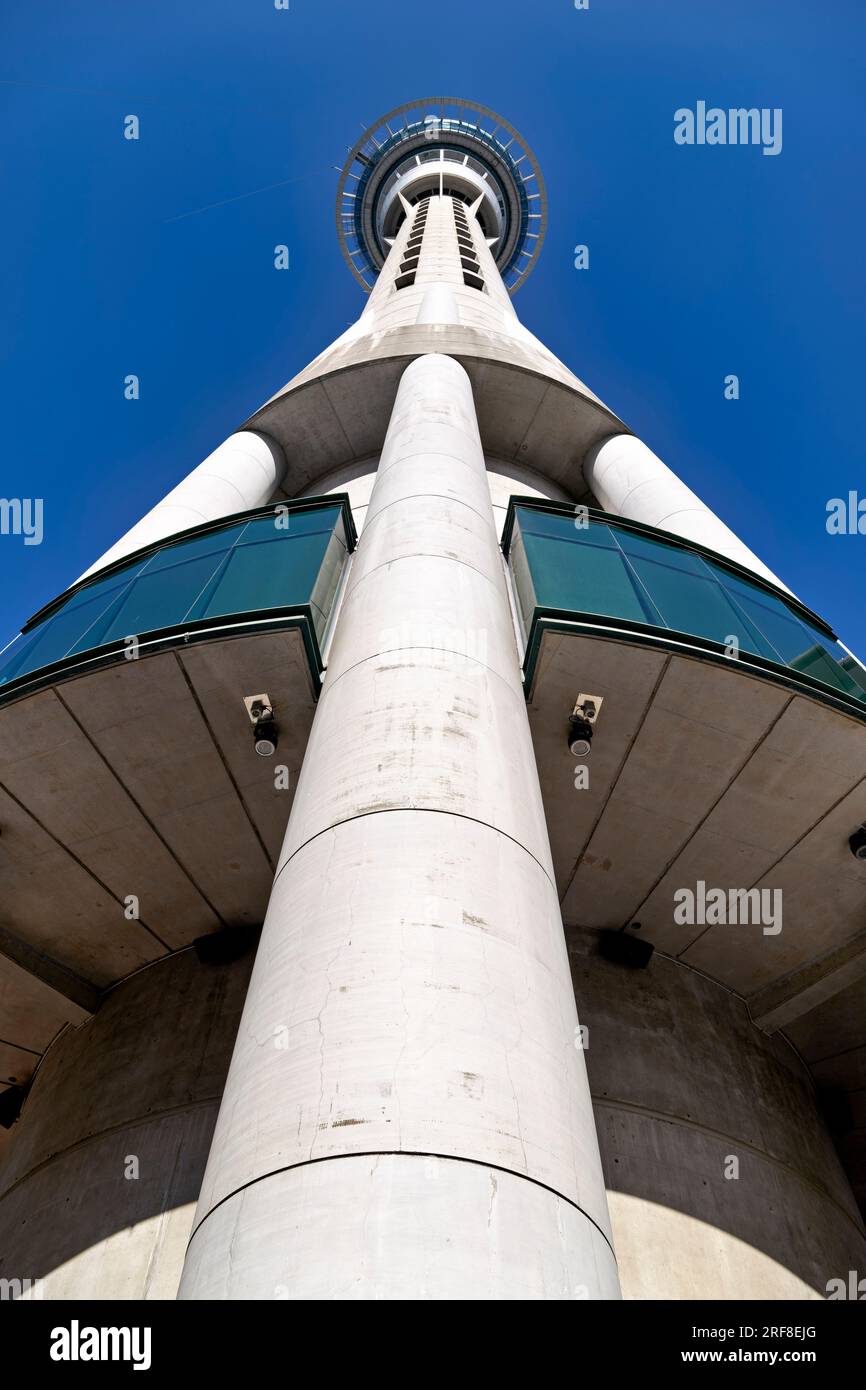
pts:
[554, 848]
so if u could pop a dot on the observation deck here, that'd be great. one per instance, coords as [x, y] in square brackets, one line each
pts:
[447, 145]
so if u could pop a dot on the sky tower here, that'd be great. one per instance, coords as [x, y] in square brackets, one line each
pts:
[410, 886]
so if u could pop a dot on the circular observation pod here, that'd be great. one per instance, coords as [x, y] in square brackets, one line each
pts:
[441, 145]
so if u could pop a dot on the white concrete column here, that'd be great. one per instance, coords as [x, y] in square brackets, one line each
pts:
[629, 480]
[438, 305]
[407, 1113]
[243, 472]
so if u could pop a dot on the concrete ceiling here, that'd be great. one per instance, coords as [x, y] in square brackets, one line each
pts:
[706, 772]
[140, 780]
[529, 406]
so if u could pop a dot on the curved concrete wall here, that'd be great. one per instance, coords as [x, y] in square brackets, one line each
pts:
[504, 480]
[142, 1079]
[357, 480]
[682, 1082]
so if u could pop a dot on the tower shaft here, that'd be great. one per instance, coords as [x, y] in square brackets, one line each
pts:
[407, 1112]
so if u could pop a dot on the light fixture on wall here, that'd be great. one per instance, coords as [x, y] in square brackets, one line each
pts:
[265, 732]
[581, 724]
[857, 843]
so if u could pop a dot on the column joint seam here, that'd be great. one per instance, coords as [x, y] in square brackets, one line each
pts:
[404, 1153]
[418, 496]
[423, 555]
[421, 647]
[414, 810]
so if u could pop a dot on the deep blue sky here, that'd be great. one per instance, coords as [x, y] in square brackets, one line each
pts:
[704, 261]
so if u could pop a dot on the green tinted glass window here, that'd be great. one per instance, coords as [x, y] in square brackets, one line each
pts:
[586, 571]
[613, 570]
[59, 634]
[562, 525]
[688, 595]
[268, 569]
[159, 598]
[286, 523]
[214, 543]
[783, 629]
[283, 560]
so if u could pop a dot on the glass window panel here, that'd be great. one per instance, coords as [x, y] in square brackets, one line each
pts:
[610, 570]
[158, 599]
[831, 649]
[661, 552]
[111, 581]
[102, 591]
[59, 634]
[55, 637]
[825, 660]
[284, 525]
[689, 595]
[238, 568]
[269, 574]
[325, 587]
[817, 663]
[787, 633]
[561, 525]
[584, 576]
[695, 605]
[214, 543]
[524, 584]
[857, 674]
[14, 658]
[320, 620]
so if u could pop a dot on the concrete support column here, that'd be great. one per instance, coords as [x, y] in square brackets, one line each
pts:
[438, 305]
[407, 1113]
[243, 472]
[629, 480]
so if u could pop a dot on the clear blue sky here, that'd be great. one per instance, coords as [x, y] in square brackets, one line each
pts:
[703, 261]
